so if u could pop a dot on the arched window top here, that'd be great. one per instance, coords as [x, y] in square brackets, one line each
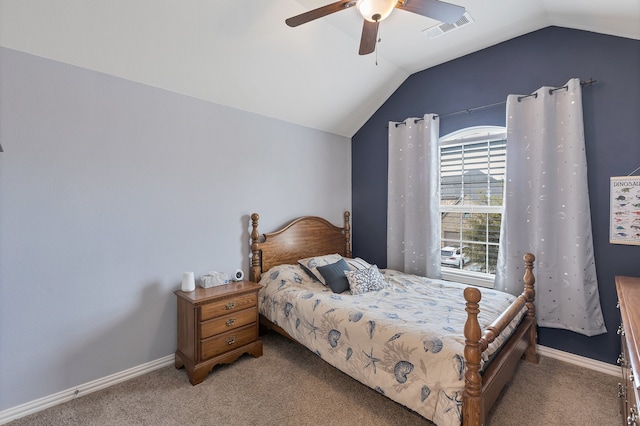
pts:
[476, 133]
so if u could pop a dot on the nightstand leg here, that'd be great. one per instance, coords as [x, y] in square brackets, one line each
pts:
[178, 362]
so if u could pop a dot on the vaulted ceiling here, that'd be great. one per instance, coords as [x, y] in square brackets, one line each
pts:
[241, 54]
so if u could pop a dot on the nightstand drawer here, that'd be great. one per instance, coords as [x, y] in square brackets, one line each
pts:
[228, 305]
[227, 322]
[225, 342]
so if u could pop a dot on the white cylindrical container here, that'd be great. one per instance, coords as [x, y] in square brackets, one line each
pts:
[188, 282]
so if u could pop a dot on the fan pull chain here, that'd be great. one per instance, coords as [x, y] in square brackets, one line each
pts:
[377, 42]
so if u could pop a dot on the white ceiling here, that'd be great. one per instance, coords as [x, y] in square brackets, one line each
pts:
[241, 54]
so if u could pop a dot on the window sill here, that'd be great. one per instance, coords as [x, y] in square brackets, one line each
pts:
[466, 277]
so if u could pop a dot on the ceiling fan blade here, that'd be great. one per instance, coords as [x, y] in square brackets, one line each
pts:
[435, 9]
[369, 37]
[314, 14]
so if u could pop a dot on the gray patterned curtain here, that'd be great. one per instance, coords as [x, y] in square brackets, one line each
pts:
[546, 209]
[413, 216]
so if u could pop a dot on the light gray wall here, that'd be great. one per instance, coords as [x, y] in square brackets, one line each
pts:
[109, 190]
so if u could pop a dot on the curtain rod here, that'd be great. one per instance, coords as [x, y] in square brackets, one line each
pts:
[478, 108]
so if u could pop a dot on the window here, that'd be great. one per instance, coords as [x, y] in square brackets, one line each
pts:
[472, 169]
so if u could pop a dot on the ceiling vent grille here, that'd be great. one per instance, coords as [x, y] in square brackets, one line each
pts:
[440, 29]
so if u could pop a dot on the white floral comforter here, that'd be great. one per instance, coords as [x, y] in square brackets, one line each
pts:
[405, 341]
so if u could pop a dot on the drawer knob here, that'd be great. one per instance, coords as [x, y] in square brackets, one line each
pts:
[231, 340]
[230, 305]
[631, 420]
[620, 390]
[230, 322]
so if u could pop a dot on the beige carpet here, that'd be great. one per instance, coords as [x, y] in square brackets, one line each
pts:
[289, 385]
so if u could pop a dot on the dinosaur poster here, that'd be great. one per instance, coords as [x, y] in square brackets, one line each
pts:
[625, 210]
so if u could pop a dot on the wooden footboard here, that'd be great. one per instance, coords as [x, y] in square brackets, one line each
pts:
[481, 390]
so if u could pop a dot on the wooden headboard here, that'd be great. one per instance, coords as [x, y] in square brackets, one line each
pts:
[304, 237]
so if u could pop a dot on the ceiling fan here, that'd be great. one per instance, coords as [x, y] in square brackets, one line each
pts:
[374, 11]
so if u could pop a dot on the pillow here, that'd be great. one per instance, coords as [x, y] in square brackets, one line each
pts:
[358, 264]
[310, 265]
[334, 276]
[290, 274]
[365, 280]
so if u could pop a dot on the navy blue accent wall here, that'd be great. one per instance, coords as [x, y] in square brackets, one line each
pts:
[548, 57]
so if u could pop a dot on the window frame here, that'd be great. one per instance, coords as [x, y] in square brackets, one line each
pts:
[463, 136]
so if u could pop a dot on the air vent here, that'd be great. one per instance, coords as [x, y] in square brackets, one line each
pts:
[440, 29]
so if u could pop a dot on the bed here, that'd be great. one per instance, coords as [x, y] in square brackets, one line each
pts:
[444, 358]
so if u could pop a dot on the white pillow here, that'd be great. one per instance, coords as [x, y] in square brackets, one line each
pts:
[365, 280]
[357, 264]
[310, 265]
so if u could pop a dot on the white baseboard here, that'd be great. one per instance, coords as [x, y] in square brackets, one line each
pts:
[67, 395]
[61, 397]
[591, 364]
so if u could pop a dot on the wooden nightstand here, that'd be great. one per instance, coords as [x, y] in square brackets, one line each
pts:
[216, 326]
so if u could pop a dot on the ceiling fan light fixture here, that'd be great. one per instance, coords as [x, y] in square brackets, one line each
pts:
[375, 10]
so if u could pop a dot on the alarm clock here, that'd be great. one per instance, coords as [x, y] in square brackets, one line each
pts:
[238, 275]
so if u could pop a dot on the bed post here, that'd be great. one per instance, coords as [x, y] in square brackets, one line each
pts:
[255, 252]
[347, 235]
[472, 414]
[531, 354]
